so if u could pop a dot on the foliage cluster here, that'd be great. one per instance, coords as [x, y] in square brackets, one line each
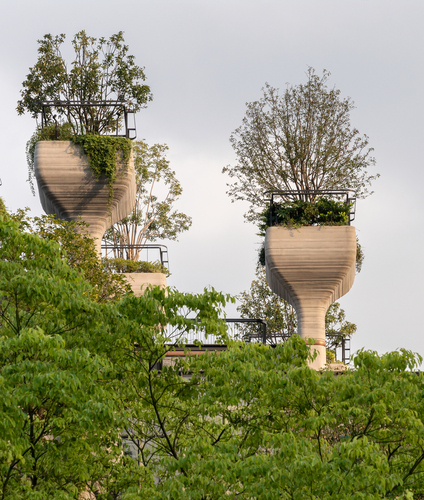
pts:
[64, 365]
[297, 213]
[299, 140]
[103, 152]
[249, 422]
[101, 71]
[118, 265]
[54, 403]
[78, 249]
[264, 425]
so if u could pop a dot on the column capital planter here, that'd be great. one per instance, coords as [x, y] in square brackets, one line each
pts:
[69, 190]
[139, 281]
[311, 267]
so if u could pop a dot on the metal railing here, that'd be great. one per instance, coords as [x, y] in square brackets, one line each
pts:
[249, 337]
[120, 110]
[336, 342]
[305, 194]
[124, 251]
[234, 333]
[340, 345]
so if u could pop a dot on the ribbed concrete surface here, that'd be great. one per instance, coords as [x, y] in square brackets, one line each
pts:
[139, 281]
[69, 190]
[311, 267]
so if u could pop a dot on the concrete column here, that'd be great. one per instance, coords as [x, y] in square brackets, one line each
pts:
[311, 267]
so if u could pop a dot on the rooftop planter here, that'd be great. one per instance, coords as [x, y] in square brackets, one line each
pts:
[80, 173]
[70, 188]
[310, 266]
[139, 274]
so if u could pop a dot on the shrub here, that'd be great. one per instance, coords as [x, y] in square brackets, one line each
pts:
[130, 266]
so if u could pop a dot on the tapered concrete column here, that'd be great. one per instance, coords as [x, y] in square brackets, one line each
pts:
[140, 281]
[69, 190]
[311, 267]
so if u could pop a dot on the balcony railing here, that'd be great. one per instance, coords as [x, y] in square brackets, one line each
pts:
[121, 114]
[147, 253]
[346, 195]
[336, 341]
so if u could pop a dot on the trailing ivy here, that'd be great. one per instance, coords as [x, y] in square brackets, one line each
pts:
[131, 266]
[102, 152]
[48, 133]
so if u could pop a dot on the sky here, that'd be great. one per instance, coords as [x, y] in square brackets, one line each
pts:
[204, 60]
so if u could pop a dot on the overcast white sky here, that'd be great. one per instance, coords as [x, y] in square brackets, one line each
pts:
[204, 60]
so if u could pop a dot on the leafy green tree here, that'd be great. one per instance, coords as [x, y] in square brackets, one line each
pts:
[261, 302]
[79, 251]
[300, 140]
[156, 403]
[58, 419]
[154, 216]
[69, 368]
[249, 422]
[257, 422]
[102, 70]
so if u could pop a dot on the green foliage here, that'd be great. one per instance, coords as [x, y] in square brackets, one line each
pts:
[256, 422]
[58, 420]
[301, 139]
[359, 256]
[130, 266]
[71, 369]
[3, 209]
[249, 422]
[79, 251]
[154, 216]
[102, 153]
[297, 213]
[102, 70]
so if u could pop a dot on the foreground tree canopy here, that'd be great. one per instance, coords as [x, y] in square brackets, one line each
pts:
[266, 426]
[300, 140]
[87, 409]
[63, 354]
